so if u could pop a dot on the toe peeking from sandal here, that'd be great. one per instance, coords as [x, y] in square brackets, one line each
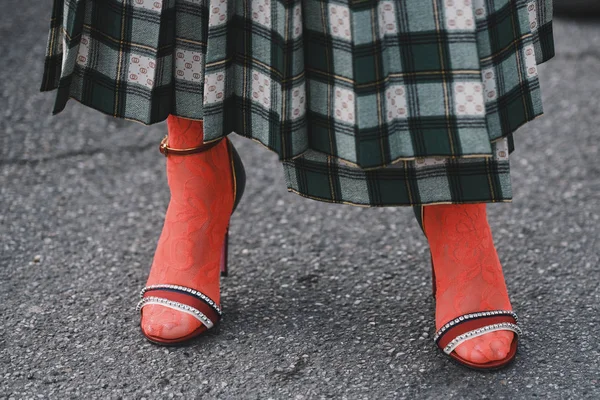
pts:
[469, 326]
[183, 299]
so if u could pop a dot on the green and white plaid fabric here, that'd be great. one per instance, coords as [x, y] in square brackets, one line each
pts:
[371, 102]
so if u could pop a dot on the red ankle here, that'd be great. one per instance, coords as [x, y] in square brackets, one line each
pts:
[184, 133]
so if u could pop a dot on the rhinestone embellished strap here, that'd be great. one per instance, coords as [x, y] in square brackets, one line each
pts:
[481, 331]
[199, 295]
[176, 306]
[467, 317]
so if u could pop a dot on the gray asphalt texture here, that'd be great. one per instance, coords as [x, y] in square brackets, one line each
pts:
[323, 301]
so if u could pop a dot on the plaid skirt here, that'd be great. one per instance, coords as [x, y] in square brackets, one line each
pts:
[370, 102]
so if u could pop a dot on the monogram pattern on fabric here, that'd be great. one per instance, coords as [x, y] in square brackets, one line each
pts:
[531, 65]
[142, 70]
[387, 19]
[261, 12]
[479, 9]
[153, 5]
[217, 12]
[459, 15]
[469, 98]
[339, 22]
[261, 89]
[501, 150]
[298, 101]
[532, 9]
[430, 161]
[488, 77]
[214, 88]
[297, 21]
[84, 51]
[344, 105]
[189, 65]
[395, 97]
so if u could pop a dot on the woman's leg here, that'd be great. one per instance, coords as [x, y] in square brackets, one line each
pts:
[468, 274]
[189, 248]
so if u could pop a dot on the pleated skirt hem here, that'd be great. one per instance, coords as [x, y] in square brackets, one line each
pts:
[340, 127]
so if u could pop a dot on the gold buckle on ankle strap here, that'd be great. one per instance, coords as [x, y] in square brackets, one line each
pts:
[164, 147]
[166, 150]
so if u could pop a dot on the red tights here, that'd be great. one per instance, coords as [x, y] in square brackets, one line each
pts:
[190, 244]
[468, 274]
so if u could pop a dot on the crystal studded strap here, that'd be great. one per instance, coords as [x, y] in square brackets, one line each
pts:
[183, 290]
[506, 326]
[184, 299]
[510, 316]
[176, 306]
[475, 324]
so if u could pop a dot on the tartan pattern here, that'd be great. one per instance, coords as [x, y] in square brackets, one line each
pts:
[430, 180]
[350, 94]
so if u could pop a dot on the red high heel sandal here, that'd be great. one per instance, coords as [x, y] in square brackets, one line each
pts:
[185, 299]
[469, 326]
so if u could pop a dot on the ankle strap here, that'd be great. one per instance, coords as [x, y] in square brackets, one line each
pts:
[166, 150]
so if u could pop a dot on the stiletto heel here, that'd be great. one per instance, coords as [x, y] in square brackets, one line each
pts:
[433, 285]
[224, 254]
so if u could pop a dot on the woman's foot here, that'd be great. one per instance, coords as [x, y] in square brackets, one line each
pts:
[468, 274]
[189, 248]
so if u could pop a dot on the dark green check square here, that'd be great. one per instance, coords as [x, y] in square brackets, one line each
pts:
[75, 19]
[430, 140]
[277, 60]
[424, 57]
[369, 152]
[388, 189]
[365, 67]
[318, 53]
[315, 183]
[515, 113]
[108, 19]
[101, 95]
[474, 185]
[502, 34]
[319, 135]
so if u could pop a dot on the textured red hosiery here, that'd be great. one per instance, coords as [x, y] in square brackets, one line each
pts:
[190, 245]
[468, 274]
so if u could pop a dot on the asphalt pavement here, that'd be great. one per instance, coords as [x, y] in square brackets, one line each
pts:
[323, 301]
